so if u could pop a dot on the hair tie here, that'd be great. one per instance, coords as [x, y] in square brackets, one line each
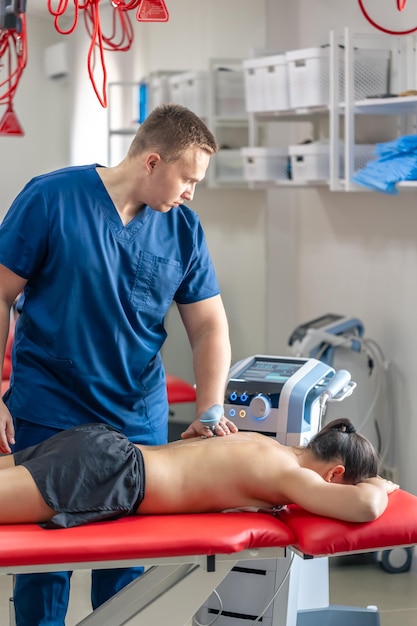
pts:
[344, 427]
[350, 429]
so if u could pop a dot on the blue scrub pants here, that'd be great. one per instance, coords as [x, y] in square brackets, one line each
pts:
[42, 599]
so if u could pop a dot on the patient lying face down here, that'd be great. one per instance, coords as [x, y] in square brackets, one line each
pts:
[92, 472]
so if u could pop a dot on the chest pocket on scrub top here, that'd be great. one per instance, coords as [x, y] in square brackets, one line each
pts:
[156, 281]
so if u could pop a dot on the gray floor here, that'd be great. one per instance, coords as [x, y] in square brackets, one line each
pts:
[354, 581]
[362, 582]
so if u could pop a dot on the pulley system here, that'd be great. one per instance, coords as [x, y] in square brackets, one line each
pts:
[13, 42]
[13, 59]
[121, 37]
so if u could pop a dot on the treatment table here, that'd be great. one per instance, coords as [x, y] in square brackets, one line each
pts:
[189, 555]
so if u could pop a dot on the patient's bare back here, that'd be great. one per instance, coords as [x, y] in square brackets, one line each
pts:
[202, 475]
[251, 470]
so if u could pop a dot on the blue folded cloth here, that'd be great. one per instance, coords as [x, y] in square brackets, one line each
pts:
[397, 161]
[408, 143]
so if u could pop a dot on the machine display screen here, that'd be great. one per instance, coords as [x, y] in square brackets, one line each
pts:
[270, 371]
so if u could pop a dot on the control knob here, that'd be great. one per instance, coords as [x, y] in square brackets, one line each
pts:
[260, 406]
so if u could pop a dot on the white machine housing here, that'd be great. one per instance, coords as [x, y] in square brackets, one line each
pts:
[277, 396]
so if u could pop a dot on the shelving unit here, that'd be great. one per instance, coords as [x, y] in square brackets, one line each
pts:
[405, 105]
[403, 108]
[234, 128]
[316, 117]
[339, 118]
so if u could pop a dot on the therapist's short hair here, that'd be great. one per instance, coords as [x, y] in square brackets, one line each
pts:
[170, 130]
[338, 441]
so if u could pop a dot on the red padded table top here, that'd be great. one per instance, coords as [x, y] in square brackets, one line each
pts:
[321, 536]
[179, 390]
[142, 537]
[159, 536]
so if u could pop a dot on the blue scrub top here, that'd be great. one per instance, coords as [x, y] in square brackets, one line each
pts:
[88, 338]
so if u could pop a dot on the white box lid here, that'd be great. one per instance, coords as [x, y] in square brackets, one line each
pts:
[277, 59]
[307, 53]
[264, 152]
[316, 147]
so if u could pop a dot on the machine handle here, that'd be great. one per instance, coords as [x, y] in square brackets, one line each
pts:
[337, 383]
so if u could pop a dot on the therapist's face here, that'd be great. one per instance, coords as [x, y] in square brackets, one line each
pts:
[172, 184]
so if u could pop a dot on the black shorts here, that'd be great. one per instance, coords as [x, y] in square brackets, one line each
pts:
[88, 473]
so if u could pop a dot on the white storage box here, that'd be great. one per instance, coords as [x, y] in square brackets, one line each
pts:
[230, 93]
[228, 166]
[311, 161]
[309, 75]
[266, 83]
[190, 90]
[263, 164]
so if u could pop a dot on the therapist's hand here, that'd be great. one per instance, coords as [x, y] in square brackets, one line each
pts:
[6, 429]
[197, 429]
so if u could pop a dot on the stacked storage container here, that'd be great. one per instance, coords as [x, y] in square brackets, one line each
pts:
[266, 83]
[190, 90]
[300, 79]
[310, 162]
[266, 89]
[309, 75]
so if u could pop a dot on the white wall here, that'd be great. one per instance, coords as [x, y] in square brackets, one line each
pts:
[198, 30]
[357, 252]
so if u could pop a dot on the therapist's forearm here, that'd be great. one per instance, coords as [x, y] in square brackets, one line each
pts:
[211, 359]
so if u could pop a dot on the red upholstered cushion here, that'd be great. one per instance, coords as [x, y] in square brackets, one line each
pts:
[142, 537]
[152, 537]
[319, 536]
[7, 364]
[179, 390]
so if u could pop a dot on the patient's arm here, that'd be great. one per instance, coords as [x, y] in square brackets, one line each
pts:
[363, 502]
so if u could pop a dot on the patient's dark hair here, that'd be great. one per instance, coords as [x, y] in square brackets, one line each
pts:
[338, 440]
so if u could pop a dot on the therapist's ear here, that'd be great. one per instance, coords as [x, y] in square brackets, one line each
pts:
[335, 474]
[151, 161]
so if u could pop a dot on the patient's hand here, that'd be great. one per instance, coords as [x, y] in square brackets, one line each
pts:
[387, 484]
[390, 485]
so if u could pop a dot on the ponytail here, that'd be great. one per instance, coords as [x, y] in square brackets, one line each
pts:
[343, 425]
[339, 441]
